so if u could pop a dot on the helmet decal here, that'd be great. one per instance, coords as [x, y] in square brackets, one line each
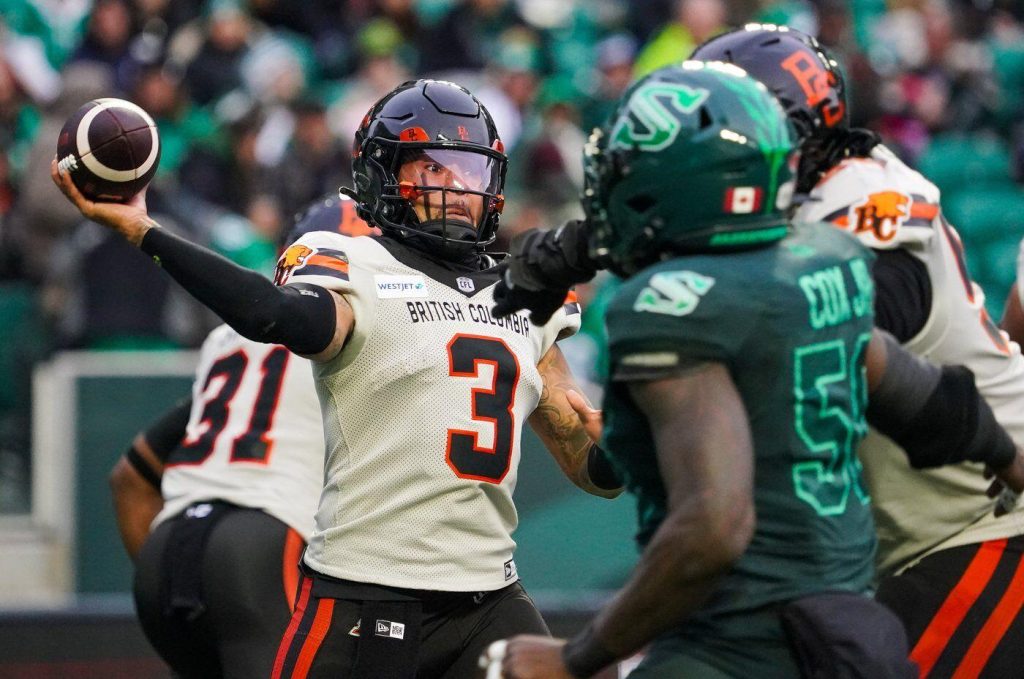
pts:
[816, 83]
[654, 122]
[413, 134]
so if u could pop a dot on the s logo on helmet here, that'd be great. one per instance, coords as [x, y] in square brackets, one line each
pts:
[293, 258]
[654, 109]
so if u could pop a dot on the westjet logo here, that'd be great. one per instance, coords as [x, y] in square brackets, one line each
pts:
[400, 286]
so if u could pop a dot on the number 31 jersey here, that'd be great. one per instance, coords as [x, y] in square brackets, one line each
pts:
[254, 435]
[423, 412]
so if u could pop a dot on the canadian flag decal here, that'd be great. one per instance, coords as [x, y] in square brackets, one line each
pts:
[742, 200]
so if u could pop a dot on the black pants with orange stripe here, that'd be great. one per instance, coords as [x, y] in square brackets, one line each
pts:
[249, 573]
[335, 634]
[962, 610]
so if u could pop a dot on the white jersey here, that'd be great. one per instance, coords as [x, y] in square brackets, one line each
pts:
[423, 412]
[888, 205]
[254, 435]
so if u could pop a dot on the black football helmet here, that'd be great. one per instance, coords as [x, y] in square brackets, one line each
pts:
[334, 213]
[446, 129]
[794, 66]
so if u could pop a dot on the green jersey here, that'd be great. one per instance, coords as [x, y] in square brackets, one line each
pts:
[791, 322]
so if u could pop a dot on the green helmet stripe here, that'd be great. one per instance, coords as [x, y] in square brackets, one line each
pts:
[739, 238]
[772, 135]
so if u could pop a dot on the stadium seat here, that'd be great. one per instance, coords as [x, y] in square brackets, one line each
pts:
[1008, 69]
[990, 221]
[995, 262]
[953, 161]
[985, 213]
[21, 341]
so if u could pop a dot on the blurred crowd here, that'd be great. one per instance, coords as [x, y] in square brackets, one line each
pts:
[257, 102]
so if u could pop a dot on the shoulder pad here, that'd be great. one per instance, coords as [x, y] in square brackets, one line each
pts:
[315, 256]
[880, 200]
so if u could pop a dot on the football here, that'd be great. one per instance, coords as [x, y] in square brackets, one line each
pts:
[111, 148]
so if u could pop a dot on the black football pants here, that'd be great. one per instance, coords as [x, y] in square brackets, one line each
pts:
[249, 573]
[962, 608]
[444, 641]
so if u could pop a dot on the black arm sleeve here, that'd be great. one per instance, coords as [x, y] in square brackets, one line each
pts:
[936, 414]
[903, 293]
[301, 319]
[166, 433]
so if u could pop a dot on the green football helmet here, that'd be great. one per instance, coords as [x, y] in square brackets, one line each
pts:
[695, 158]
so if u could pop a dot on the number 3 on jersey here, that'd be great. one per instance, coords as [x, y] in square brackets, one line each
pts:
[464, 454]
[254, 444]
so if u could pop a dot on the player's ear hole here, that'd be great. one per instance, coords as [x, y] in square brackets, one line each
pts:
[641, 203]
[705, 118]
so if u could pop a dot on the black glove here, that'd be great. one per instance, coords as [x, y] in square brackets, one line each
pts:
[508, 299]
[541, 269]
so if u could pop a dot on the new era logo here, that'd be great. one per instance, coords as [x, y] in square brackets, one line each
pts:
[392, 630]
[510, 569]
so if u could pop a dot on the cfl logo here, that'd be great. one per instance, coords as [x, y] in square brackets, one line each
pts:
[67, 164]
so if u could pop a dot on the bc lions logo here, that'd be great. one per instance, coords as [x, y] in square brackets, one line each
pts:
[293, 258]
[816, 84]
[882, 213]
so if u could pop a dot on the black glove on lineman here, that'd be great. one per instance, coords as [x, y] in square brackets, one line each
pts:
[541, 268]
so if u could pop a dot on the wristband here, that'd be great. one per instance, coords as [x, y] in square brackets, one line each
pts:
[600, 470]
[584, 655]
[166, 434]
[140, 464]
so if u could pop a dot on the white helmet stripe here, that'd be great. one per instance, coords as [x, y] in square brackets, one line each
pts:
[90, 160]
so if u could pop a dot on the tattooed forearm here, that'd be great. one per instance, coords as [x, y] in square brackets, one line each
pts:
[560, 427]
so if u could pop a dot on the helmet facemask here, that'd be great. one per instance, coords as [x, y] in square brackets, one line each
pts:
[429, 169]
[452, 194]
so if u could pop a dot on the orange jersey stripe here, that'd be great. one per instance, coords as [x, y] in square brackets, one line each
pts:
[317, 632]
[571, 298]
[328, 262]
[293, 544]
[995, 627]
[953, 610]
[924, 210]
